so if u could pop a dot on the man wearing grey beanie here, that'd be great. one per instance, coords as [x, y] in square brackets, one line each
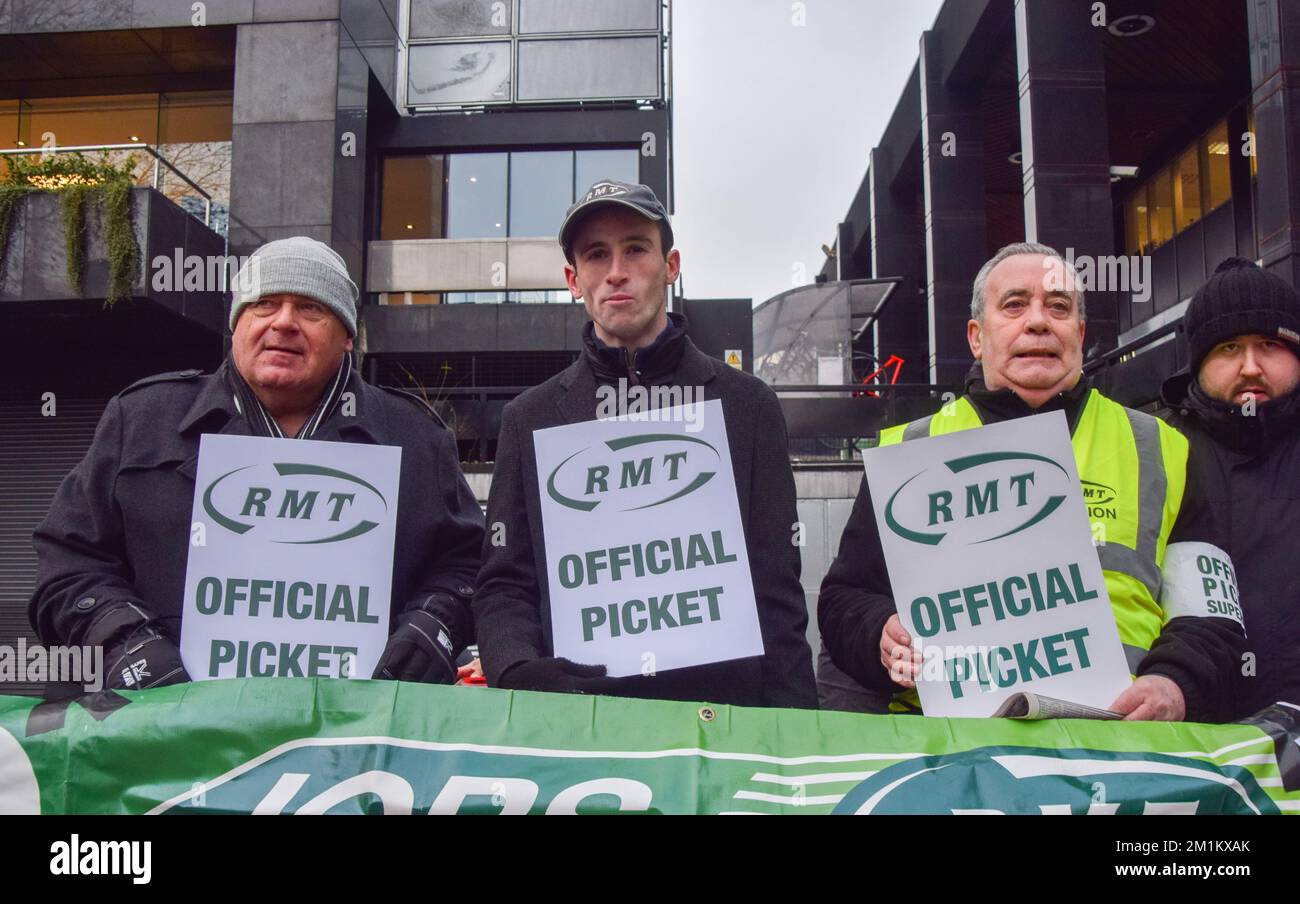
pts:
[112, 551]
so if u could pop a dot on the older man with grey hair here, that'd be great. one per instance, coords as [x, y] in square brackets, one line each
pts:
[113, 549]
[1026, 334]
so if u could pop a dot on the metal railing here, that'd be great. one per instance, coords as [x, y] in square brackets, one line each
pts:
[159, 161]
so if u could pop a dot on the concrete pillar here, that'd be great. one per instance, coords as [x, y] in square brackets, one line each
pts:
[282, 167]
[1275, 75]
[952, 153]
[844, 243]
[351, 116]
[1064, 142]
[896, 251]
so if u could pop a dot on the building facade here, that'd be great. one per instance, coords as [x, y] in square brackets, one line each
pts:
[1146, 140]
[435, 144]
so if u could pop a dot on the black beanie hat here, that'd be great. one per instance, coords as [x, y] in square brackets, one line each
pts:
[1240, 299]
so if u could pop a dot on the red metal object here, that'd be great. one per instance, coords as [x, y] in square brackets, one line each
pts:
[895, 362]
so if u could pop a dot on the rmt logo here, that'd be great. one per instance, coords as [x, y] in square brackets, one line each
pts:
[288, 502]
[1099, 499]
[977, 498]
[632, 473]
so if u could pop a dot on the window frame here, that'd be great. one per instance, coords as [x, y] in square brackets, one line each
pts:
[509, 153]
[515, 37]
[1169, 170]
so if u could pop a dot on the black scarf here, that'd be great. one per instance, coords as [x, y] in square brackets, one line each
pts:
[260, 420]
[996, 405]
[1229, 424]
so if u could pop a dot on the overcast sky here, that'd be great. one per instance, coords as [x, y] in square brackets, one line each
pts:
[772, 123]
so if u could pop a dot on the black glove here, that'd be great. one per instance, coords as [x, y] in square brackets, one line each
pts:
[419, 650]
[145, 659]
[556, 674]
[136, 653]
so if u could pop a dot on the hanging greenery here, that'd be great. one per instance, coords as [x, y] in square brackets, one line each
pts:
[77, 180]
[73, 198]
[10, 197]
[119, 238]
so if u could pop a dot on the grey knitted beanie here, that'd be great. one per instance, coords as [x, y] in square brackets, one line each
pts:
[302, 266]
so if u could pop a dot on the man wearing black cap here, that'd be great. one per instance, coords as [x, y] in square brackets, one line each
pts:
[1238, 405]
[618, 243]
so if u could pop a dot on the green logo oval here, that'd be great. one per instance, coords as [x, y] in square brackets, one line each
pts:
[1095, 493]
[294, 503]
[1037, 780]
[635, 476]
[1007, 498]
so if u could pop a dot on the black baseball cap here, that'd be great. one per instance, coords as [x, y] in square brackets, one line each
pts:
[640, 198]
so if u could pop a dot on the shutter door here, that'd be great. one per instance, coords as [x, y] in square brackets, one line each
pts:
[36, 453]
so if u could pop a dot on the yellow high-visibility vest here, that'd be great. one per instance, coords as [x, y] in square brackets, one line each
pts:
[1133, 468]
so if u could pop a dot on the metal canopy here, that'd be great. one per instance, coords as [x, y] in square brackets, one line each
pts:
[795, 328]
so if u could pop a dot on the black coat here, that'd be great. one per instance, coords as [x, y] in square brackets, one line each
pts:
[1248, 468]
[1201, 655]
[118, 529]
[511, 602]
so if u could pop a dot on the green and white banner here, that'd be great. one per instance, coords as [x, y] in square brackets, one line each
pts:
[360, 746]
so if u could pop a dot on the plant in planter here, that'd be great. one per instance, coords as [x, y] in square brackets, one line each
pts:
[77, 181]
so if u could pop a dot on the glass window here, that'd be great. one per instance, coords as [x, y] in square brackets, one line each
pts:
[1198, 181]
[476, 196]
[464, 196]
[522, 296]
[620, 165]
[194, 132]
[541, 190]
[459, 73]
[411, 200]
[1161, 203]
[459, 18]
[589, 68]
[542, 296]
[191, 130]
[475, 297]
[1216, 154]
[1137, 231]
[551, 16]
[9, 124]
[195, 117]
[405, 298]
[73, 121]
[479, 52]
[536, 296]
[1187, 189]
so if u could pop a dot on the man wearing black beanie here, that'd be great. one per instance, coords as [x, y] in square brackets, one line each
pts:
[1239, 406]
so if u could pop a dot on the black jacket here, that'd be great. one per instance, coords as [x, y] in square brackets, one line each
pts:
[117, 531]
[1248, 469]
[1201, 655]
[511, 602]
